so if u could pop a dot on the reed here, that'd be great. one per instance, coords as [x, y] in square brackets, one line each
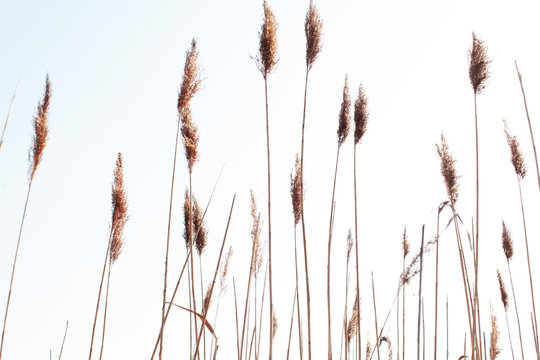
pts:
[494, 349]
[39, 141]
[405, 247]
[504, 300]
[8, 116]
[375, 316]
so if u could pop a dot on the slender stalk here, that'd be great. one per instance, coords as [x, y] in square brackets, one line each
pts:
[328, 266]
[529, 267]
[302, 218]
[344, 334]
[509, 334]
[292, 322]
[397, 327]
[8, 116]
[375, 313]
[358, 333]
[403, 325]
[436, 285]
[191, 315]
[14, 266]
[261, 314]
[420, 294]
[105, 310]
[298, 299]
[529, 121]
[236, 314]
[63, 341]
[202, 299]
[516, 308]
[191, 241]
[447, 335]
[423, 333]
[475, 302]
[214, 279]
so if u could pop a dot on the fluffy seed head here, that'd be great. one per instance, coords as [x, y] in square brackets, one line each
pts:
[349, 244]
[224, 271]
[267, 58]
[344, 116]
[188, 226]
[41, 129]
[368, 350]
[448, 171]
[478, 64]
[502, 288]
[405, 243]
[360, 115]
[119, 210]
[507, 244]
[494, 349]
[274, 324]
[207, 300]
[389, 343]
[191, 80]
[296, 191]
[190, 138]
[516, 155]
[352, 328]
[313, 29]
[199, 227]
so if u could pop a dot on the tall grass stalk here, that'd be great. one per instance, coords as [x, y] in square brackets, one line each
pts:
[8, 116]
[39, 141]
[405, 247]
[437, 282]
[375, 316]
[292, 322]
[420, 295]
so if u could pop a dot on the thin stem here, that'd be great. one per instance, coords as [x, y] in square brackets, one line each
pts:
[475, 303]
[8, 116]
[191, 241]
[423, 333]
[509, 334]
[358, 333]
[63, 341]
[298, 299]
[292, 322]
[403, 300]
[302, 217]
[328, 267]
[529, 266]
[261, 314]
[529, 121]
[436, 285]
[344, 334]
[105, 310]
[375, 313]
[516, 308]
[236, 314]
[447, 334]
[14, 266]
[202, 299]
[420, 294]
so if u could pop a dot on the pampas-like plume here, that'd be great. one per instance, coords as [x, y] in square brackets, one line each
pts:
[516, 155]
[207, 300]
[188, 227]
[349, 244]
[502, 288]
[190, 138]
[494, 349]
[448, 171]
[225, 271]
[191, 80]
[478, 64]
[41, 129]
[199, 227]
[507, 243]
[313, 29]
[344, 116]
[405, 243]
[119, 210]
[360, 115]
[296, 191]
[267, 58]
[352, 328]
[368, 350]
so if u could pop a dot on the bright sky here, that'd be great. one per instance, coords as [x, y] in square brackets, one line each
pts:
[115, 69]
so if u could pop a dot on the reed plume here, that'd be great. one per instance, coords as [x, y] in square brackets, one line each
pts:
[342, 132]
[494, 349]
[198, 224]
[505, 302]
[516, 155]
[352, 327]
[39, 140]
[478, 74]
[190, 138]
[448, 171]
[313, 30]
[191, 79]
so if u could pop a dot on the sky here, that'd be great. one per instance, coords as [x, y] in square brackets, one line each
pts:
[115, 69]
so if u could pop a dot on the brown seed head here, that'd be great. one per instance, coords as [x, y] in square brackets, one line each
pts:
[516, 155]
[387, 340]
[448, 171]
[296, 191]
[190, 138]
[368, 350]
[494, 349]
[504, 294]
[352, 328]
[349, 244]
[199, 227]
[41, 129]
[478, 64]
[267, 59]
[507, 244]
[344, 116]
[405, 243]
[313, 29]
[360, 115]
[207, 300]
[188, 226]
[224, 271]
[191, 80]
[274, 324]
[119, 210]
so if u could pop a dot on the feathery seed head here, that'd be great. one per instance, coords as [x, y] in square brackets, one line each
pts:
[502, 288]
[199, 227]
[267, 59]
[516, 155]
[494, 349]
[191, 80]
[41, 129]
[478, 64]
[349, 244]
[296, 191]
[507, 243]
[207, 300]
[190, 138]
[224, 271]
[405, 243]
[119, 210]
[448, 171]
[352, 327]
[274, 324]
[389, 343]
[360, 115]
[313, 29]
[188, 225]
[344, 116]
[368, 350]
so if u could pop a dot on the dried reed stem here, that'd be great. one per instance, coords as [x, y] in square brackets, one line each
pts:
[436, 283]
[8, 116]
[420, 294]
[516, 309]
[292, 322]
[236, 315]
[105, 311]
[405, 245]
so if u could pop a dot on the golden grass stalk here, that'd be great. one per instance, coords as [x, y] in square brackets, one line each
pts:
[292, 322]
[420, 295]
[508, 249]
[191, 83]
[297, 199]
[441, 206]
[8, 116]
[405, 246]
[214, 279]
[360, 125]
[504, 300]
[41, 131]
[375, 316]
[529, 121]
[352, 326]
[478, 74]
[342, 132]
[261, 313]
[349, 248]
[266, 61]
[516, 157]
[236, 315]
[313, 31]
